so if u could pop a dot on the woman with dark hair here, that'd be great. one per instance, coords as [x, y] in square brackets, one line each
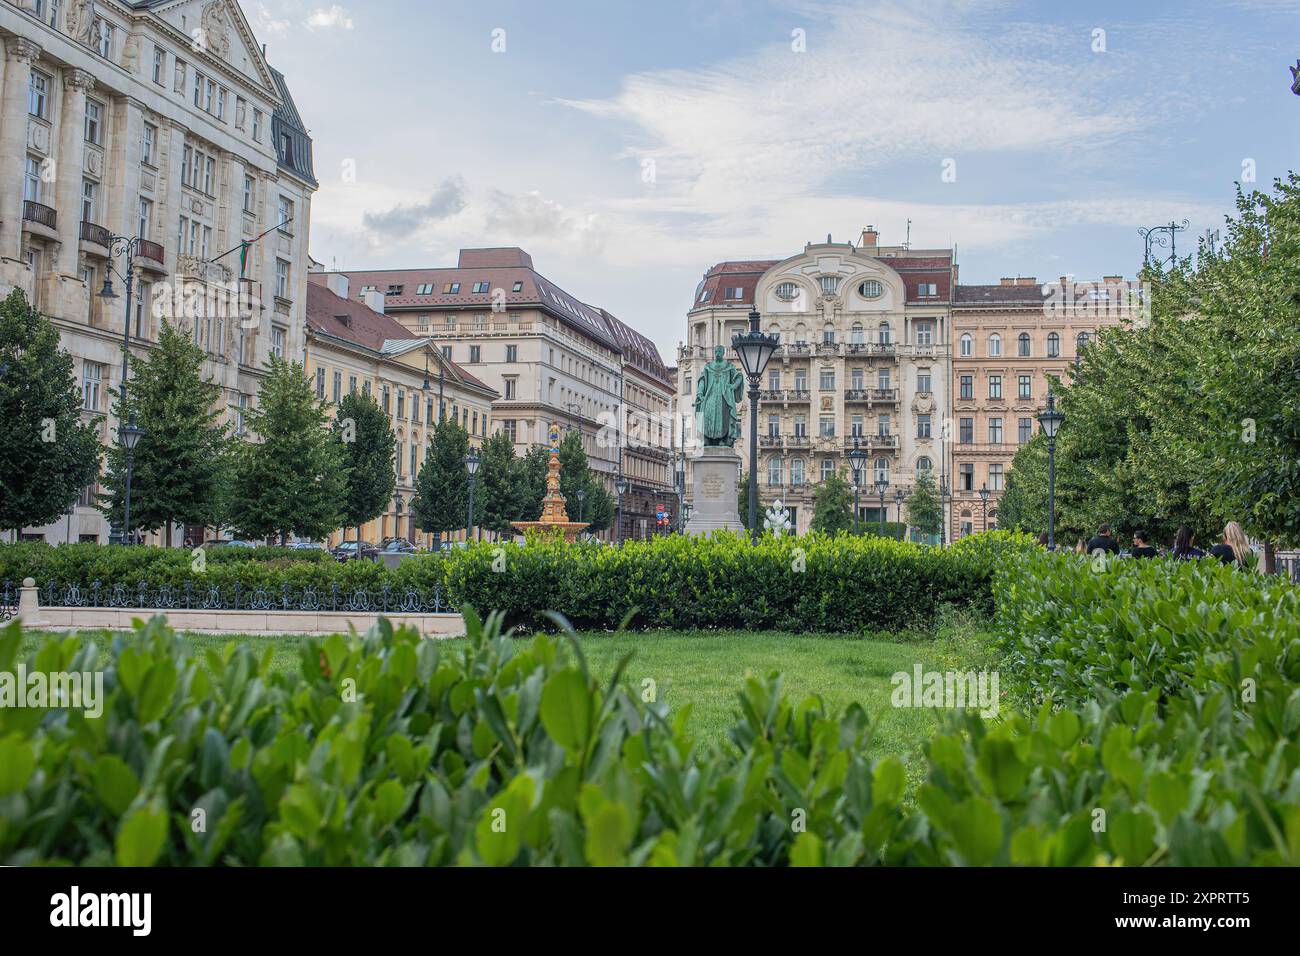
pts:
[1185, 545]
[1042, 540]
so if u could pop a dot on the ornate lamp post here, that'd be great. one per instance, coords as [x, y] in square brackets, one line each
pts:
[397, 510]
[122, 246]
[472, 461]
[681, 491]
[984, 505]
[755, 350]
[582, 496]
[1050, 421]
[1161, 236]
[900, 495]
[620, 486]
[130, 436]
[943, 504]
[857, 457]
[882, 485]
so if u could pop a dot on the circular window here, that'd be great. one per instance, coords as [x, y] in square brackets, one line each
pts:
[787, 292]
[870, 289]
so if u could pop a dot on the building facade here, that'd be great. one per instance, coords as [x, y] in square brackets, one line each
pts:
[163, 122]
[549, 356]
[1008, 339]
[352, 347]
[864, 358]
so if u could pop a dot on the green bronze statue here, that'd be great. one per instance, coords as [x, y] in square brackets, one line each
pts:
[716, 397]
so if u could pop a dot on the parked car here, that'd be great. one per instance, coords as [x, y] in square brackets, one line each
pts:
[397, 546]
[307, 546]
[229, 543]
[449, 545]
[351, 550]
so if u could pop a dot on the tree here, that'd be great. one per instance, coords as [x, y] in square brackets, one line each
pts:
[294, 480]
[924, 510]
[742, 502]
[833, 504]
[531, 481]
[47, 454]
[442, 488]
[365, 443]
[503, 493]
[180, 462]
[575, 474]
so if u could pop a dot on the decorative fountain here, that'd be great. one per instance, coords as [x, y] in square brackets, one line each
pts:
[554, 519]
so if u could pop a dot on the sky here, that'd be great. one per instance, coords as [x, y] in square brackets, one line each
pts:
[630, 146]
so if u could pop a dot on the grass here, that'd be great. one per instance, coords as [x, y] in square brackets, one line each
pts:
[704, 670]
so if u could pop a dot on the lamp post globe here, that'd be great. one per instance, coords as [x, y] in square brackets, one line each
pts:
[472, 461]
[882, 485]
[1049, 419]
[754, 350]
[857, 458]
[129, 435]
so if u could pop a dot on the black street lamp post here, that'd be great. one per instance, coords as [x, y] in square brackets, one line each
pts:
[130, 436]
[1050, 421]
[943, 504]
[1161, 236]
[397, 510]
[472, 461]
[620, 486]
[882, 485]
[899, 497]
[984, 505]
[857, 457]
[582, 496]
[755, 350]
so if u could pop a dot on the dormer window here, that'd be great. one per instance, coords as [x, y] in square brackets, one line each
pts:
[735, 293]
[344, 319]
[395, 290]
[829, 284]
[518, 287]
[424, 288]
[451, 288]
[480, 287]
[704, 296]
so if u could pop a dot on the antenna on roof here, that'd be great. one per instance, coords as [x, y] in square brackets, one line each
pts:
[907, 243]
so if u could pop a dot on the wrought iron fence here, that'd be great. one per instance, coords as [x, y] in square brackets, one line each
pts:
[188, 597]
[8, 601]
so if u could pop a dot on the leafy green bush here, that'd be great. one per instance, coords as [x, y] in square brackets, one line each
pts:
[810, 583]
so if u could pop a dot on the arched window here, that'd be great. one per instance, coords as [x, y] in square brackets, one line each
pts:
[882, 470]
[857, 333]
[923, 464]
[884, 333]
[1023, 341]
[995, 344]
[796, 472]
[776, 471]
[801, 334]
[966, 344]
[1053, 345]
[1080, 341]
[828, 334]
[787, 291]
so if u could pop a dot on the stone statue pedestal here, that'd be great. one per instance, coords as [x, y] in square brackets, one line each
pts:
[714, 473]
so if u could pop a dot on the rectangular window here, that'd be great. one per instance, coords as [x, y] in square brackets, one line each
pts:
[995, 386]
[966, 431]
[800, 380]
[996, 476]
[89, 191]
[826, 380]
[257, 126]
[480, 287]
[146, 216]
[1026, 430]
[828, 468]
[94, 122]
[104, 38]
[187, 156]
[277, 341]
[385, 395]
[773, 426]
[198, 89]
[882, 378]
[92, 378]
[510, 428]
[967, 387]
[282, 278]
[148, 144]
[856, 428]
[827, 426]
[352, 384]
[856, 379]
[209, 168]
[250, 190]
[414, 448]
[800, 427]
[923, 380]
[924, 333]
[159, 65]
[221, 104]
[338, 387]
[451, 288]
[922, 426]
[241, 112]
[882, 426]
[1026, 389]
[285, 211]
[966, 477]
[320, 383]
[32, 180]
[397, 458]
[475, 354]
[995, 431]
[401, 403]
[511, 387]
[512, 353]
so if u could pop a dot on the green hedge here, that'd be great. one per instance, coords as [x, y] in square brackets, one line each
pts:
[809, 583]
[392, 750]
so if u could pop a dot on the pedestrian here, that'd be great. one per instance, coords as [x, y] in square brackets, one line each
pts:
[1081, 547]
[1142, 546]
[1233, 549]
[1102, 541]
[1042, 540]
[1185, 545]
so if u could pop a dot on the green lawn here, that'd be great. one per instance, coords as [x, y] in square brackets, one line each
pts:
[705, 670]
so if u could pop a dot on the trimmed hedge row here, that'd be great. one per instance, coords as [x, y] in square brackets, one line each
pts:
[391, 750]
[810, 583]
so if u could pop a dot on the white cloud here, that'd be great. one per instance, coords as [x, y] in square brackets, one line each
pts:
[324, 18]
[267, 22]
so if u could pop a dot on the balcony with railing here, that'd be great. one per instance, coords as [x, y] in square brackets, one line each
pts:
[97, 236]
[797, 395]
[828, 348]
[798, 441]
[151, 255]
[794, 348]
[771, 395]
[39, 215]
[879, 441]
[884, 395]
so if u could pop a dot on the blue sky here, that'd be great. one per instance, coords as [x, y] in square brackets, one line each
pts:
[1064, 140]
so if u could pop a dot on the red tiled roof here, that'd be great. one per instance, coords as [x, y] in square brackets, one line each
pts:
[999, 295]
[364, 326]
[515, 268]
[740, 274]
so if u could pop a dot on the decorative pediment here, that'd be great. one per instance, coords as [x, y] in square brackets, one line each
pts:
[218, 29]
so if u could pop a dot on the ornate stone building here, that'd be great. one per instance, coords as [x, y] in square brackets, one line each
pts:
[1007, 339]
[160, 121]
[864, 356]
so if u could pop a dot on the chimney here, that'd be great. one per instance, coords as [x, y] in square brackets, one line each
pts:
[869, 236]
[1006, 280]
[1026, 280]
[374, 300]
[337, 283]
[1112, 280]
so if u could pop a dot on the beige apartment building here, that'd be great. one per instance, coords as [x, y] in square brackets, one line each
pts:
[164, 123]
[549, 356]
[864, 357]
[353, 346]
[1008, 338]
